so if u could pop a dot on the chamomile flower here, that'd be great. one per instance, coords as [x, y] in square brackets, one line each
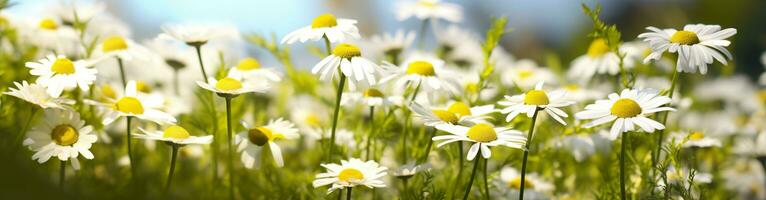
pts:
[349, 59]
[197, 34]
[429, 9]
[120, 47]
[58, 73]
[251, 141]
[372, 97]
[533, 100]
[325, 25]
[133, 104]
[62, 134]
[250, 68]
[696, 139]
[598, 60]
[627, 109]
[454, 114]
[697, 45]
[36, 94]
[428, 73]
[232, 86]
[51, 35]
[174, 134]
[535, 187]
[351, 173]
[525, 74]
[482, 136]
[389, 46]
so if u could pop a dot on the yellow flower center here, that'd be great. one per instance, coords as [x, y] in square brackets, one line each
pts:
[525, 73]
[516, 183]
[460, 109]
[324, 20]
[228, 84]
[48, 24]
[114, 43]
[64, 135]
[685, 38]
[346, 51]
[108, 92]
[372, 92]
[626, 108]
[63, 66]
[175, 132]
[422, 68]
[350, 174]
[259, 136]
[129, 105]
[141, 86]
[696, 135]
[482, 133]
[572, 87]
[762, 96]
[446, 116]
[598, 48]
[472, 87]
[313, 120]
[427, 3]
[536, 97]
[248, 64]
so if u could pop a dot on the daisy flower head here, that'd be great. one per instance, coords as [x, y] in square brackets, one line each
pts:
[372, 96]
[628, 110]
[230, 86]
[534, 100]
[250, 68]
[325, 25]
[697, 45]
[389, 46]
[251, 141]
[482, 136]
[535, 187]
[598, 60]
[61, 134]
[134, 104]
[422, 71]
[454, 114]
[51, 34]
[197, 34]
[696, 139]
[174, 134]
[36, 94]
[429, 9]
[525, 74]
[349, 58]
[121, 47]
[351, 173]
[58, 73]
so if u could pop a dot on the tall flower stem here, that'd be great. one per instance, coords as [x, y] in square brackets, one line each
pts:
[20, 137]
[428, 147]
[408, 124]
[229, 159]
[198, 48]
[327, 44]
[473, 174]
[459, 168]
[216, 146]
[348, 193]
[370, 133]
[338, 97]
[622, 164]
[671, 90]
[486, 186]
[122, 72]
[129, 138]
[526, 154]
[173, 157]
[62, 174]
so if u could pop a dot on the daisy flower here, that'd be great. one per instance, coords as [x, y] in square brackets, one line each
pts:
[351, 173]
[389, 46]
[197, 34]
[456, 113]
[250, 68]
[627, 109]
[533, 100]
[429, 9]
[121, 47]
[325, 25]
[50, 35]
[483, 136]
[58, 73]
[697, 45]
[63, 135]
[535, 187]
[36, 94]
[525, 74]
[697, 139]
[133, 104]
[598, 60]
[251, 141]
[372, 97]
[349, 58]
[427, 72]
[174, 134]
[232, 87]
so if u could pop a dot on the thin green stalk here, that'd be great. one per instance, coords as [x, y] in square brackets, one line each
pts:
[473, 174]
[229, 160]
[673, 82]
[459, 167]
[526, 154]
[428, 147]
[338, 97]
[622, 164]
[408, 124]
[369, 134]
[122, 72]
[198, 48]
[33, 111]
[327, 44]
[405, 182]
[173, 157]
[128, 119]
[486, 186]
[348, 193]
[62, 174]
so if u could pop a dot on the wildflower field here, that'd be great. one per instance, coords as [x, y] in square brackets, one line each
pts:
[432, 109]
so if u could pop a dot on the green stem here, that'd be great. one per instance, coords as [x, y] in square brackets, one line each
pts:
[128, 119]
[122, 72]
[338, 97]
[62, 174]
[229, 160]
[459, 167]
[473, 173]
[327, 44]
[408, 124]
[20, 137]
[673, 82]
[526, 154]
[424, 158]
[486, 186]
[622, 164]
[198, 48]
[369, 134]
[348, 193]
[173, 157]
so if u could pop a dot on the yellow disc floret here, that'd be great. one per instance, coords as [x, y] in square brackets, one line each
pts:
[372, 92]
[48, 24]
[696, 135]
[142, 86]
[598, 48]
[114, 43]
[536, 97]
[228, 84]
[248, 64]
[324, 21]
[108, 92]
[446, 116]
[516, 183]
[460, 109]
[346, 51]
[129, 105]
[62, 66]
[626, 108]
[482, 133]
[64, 135]
[525, 73]
[350, 174]
[422, 68]
[175, 132]
[685, 38]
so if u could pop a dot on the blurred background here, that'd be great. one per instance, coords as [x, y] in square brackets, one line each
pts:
[539, 27]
